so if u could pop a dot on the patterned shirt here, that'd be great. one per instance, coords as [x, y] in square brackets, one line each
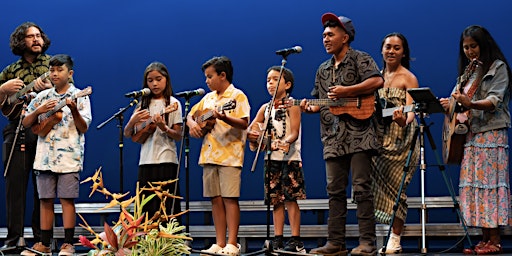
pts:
[342, 134]
[25, 71]
[62, 149]
[224, 145]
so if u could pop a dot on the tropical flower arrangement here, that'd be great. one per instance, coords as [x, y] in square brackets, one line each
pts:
[135, 233]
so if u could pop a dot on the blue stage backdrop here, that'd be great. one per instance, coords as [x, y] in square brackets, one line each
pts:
[113, 41]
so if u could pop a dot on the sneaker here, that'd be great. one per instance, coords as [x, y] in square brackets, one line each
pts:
[393, 245]
[215, 248]
[294, 245]
[231, 250]
[277, 243]
[67, 249]
[37, 249]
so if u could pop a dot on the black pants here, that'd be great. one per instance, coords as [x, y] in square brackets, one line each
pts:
[337, 181]
[158, 173]
[16, 182]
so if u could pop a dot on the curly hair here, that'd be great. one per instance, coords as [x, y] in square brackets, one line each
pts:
[17, 42]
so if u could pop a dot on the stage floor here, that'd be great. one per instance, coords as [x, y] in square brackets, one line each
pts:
[403, 254]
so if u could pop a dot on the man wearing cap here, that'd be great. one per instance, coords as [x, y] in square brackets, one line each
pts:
[349, 143]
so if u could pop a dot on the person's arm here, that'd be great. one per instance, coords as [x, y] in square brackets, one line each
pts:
[295, 117]
[253, 133]
[194, 128]
[367, 86]
[137, 116]
[239, 123]
[409, 81]
[307, 108]
[496, 89]
[80, 123]
[31, 117]
[9, 88]
[173, 131]
[42, 84]
[412, 82]
[465, 101]
[445, 102]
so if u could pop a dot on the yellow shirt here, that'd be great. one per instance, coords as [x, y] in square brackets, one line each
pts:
[224, 145]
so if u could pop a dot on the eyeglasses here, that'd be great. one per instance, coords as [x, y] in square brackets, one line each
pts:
[32, 36]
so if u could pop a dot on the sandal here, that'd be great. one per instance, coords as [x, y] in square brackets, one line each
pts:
[489, 248]
[231, 250]
[471, 251]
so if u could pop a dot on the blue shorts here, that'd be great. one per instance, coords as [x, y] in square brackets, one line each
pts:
[62, 185]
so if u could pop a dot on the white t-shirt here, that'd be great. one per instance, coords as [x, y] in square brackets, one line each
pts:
[280, 129]
[160, 148]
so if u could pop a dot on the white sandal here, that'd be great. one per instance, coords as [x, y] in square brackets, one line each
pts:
[215, 248]
[231, 250]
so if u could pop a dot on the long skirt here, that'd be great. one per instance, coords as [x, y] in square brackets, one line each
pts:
[484, 190]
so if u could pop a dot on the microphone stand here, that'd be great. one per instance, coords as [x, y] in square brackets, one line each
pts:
[119, 116]
[268, 133]
[21, 240]
[185, 136]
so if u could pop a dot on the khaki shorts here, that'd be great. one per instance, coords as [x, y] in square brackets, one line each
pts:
[221, 181]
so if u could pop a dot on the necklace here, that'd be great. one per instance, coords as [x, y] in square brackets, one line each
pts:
[388, 78]
[279, 116]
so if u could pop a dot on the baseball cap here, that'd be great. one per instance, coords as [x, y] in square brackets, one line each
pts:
[343, 21]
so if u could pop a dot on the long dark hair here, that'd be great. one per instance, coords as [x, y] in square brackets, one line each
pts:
[167, 93]
[489, 50]
[405, 45]
[17, 41]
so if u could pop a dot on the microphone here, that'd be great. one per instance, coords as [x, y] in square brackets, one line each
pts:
[28, 96]
[287, 51]
[188, 94]
[136, 94]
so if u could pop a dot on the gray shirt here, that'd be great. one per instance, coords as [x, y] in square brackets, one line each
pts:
[494, 87]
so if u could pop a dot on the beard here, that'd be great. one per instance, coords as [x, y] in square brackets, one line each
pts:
[30, 50]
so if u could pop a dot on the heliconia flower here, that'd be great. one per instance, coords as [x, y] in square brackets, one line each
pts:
[126, 203]
[127, 215]
[85, 242]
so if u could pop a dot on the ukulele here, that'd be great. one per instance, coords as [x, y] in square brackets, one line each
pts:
[454, 132]
[143, 129]
[361, 107]
[13, 104]
[389, 111]
[204, 118]
[275, 145]
[46, 121]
